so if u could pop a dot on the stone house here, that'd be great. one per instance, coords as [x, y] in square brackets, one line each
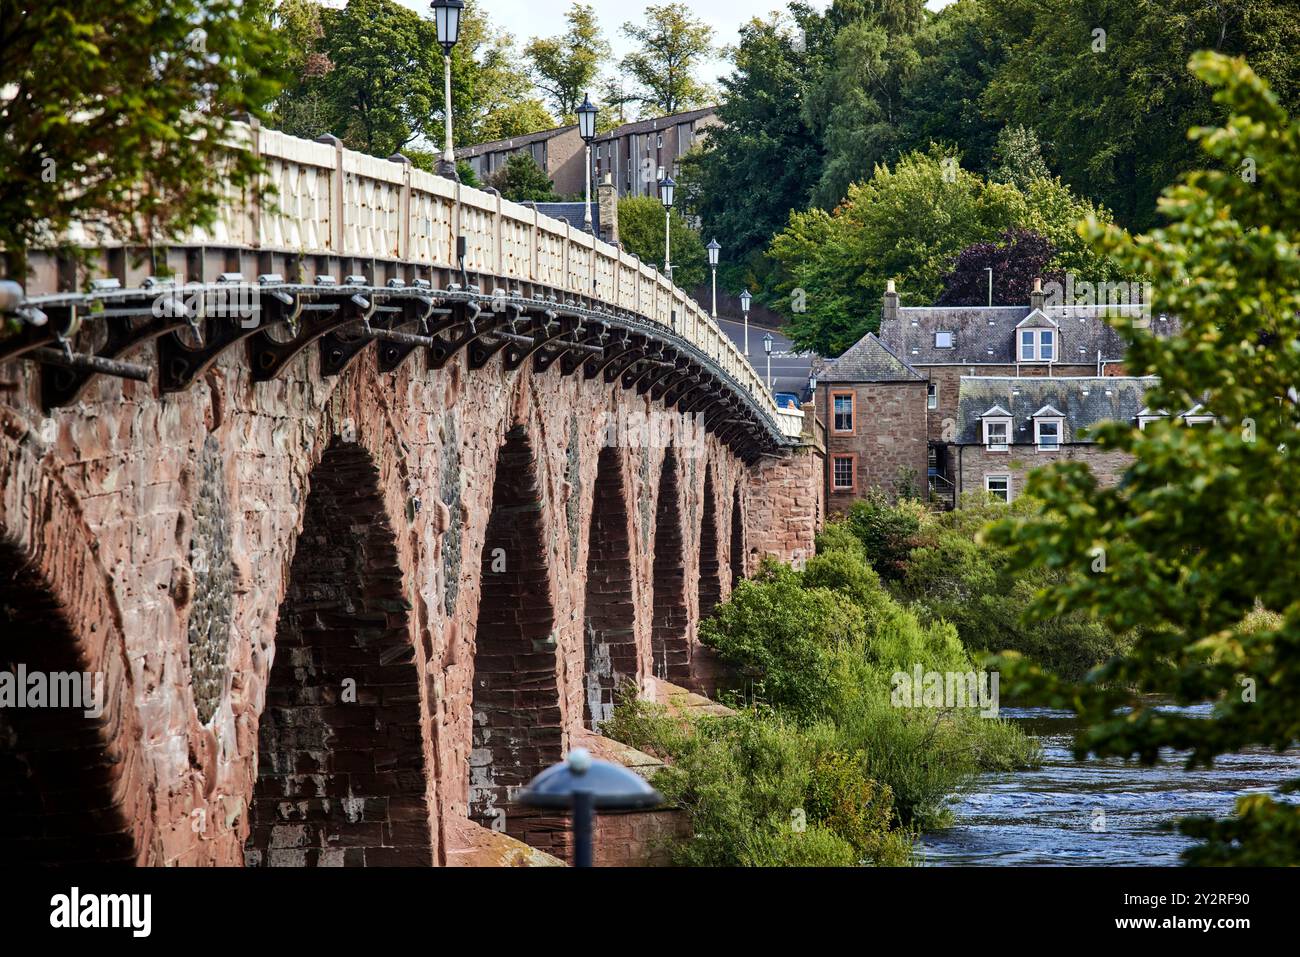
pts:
[874, 406]
[558, 153]
[1008, 425]
[947, 344]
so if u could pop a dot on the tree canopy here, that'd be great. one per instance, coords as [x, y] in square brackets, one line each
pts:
[566, 67]
[909, 222]
[641, 230]
[98, 126]
[664, 66]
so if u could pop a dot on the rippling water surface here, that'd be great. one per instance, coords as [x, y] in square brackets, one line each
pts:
[1051, 815]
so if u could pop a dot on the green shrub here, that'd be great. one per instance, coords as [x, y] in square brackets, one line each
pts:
[887, 530]
[782, 638]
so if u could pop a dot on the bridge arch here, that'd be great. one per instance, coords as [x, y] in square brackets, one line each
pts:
[737, 539]
[72, 784]
[518, 725]
[609, 607]
[669, 641]
[341, 775]
[710, 588]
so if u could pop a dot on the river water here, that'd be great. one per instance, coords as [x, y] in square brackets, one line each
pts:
[1093, 812]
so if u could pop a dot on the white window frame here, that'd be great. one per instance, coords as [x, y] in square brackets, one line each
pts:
[996, 420]
[1040, 342]
[1038, 433]
[932, 395]
[999, 476]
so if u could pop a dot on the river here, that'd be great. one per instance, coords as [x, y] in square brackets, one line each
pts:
[1093, 812]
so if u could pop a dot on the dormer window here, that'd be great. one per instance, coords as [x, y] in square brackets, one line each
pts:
[943, 340]
[1049, 429]
[1036, 338]
[1037, 345]
[997, 429]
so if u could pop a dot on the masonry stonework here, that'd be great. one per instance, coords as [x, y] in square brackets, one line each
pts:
[975, 462]
[103, 504]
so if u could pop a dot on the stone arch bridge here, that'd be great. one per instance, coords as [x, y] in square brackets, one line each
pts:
[355, 511]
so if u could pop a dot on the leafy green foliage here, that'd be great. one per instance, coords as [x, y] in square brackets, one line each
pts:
[118, 116]
[887, 531]
[1200, 539]
[521, 180]
[670, 46]
[371, 73]
[641, 230]
[1082, 98]
[565, 67]
[909, 222]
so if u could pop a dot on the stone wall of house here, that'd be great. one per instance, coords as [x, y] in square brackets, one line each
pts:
[888, 439]
[342, 529]
[975, 462]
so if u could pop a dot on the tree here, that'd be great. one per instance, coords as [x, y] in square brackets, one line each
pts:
[384, 83]
[1080, 76]
[521, 180]
[1019, 158]
[1198, 545]
[565, 67]
[1017, 258]
[909, 223]
[764, 139]
[100, 127]
[859, 95]
[641, 230]
[672, 44]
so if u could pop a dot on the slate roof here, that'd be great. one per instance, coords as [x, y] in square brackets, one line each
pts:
[572, 212]
[1082, 400]
[655, 123]
[512, 142]
[868, 360]
[986, 335]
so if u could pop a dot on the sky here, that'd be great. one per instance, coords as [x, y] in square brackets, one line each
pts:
[531, 18]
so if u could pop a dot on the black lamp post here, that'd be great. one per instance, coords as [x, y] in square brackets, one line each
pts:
[745, 298]
[714, 249]
[587, 130]
[666, 189]
[767, 347]
[585, 785]
[446, 19]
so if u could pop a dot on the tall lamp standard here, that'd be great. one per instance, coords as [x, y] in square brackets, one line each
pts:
[714, 249]
[745, 298]
[767, 347]
[446, 19]
[666, 189]
[587, 130]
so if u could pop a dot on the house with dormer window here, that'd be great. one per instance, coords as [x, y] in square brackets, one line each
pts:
[1009, 425]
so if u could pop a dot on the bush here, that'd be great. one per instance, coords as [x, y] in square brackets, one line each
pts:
[782, 636]
[888, 531]
[762, 791]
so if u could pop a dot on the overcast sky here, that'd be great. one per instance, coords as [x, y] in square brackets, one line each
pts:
[531, 18]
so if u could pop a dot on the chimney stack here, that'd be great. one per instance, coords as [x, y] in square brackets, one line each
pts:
[890, 311]
[1037, 297]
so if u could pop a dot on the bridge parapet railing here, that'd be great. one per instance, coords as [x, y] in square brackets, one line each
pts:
[329, 201]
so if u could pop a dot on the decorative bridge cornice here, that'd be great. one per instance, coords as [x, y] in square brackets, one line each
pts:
[351, 249]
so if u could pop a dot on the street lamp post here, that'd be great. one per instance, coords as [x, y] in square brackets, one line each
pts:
[767, 347]
[666, 189]
[587, 130]
[585, 785]
[713, 249]
[745, 298]
[446, 19]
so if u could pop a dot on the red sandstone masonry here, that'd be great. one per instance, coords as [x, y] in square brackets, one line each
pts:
[101, 498]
